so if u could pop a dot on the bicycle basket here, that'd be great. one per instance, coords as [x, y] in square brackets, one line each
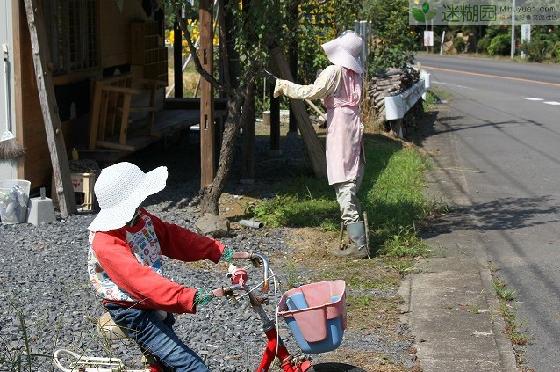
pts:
[316, 315]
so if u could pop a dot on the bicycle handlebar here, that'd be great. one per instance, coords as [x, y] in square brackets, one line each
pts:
[256, 257]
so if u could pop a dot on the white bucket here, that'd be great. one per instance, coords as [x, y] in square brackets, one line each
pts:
[14, 196]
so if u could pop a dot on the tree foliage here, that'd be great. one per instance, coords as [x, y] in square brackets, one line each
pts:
[320, 21]
[394, 39]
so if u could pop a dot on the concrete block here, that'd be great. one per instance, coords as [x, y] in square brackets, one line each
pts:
[41, 210]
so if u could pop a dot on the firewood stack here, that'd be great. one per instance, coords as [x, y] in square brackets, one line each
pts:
[392, 82]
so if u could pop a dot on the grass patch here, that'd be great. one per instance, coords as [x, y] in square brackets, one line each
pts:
[434, 96]
[506, 296]
[504, 293]
[367, 312]
[360, 275]
[392, 193]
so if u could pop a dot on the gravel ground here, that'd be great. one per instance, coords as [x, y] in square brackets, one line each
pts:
[44, 276]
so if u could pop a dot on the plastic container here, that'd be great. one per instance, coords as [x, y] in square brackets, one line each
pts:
[14, 196]
[316, 315]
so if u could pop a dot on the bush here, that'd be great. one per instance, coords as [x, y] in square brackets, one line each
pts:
[391, 57]
[500, 45]
[537, 50]
[459, 44]
[556, 52]
[394, 39]
[483, 44]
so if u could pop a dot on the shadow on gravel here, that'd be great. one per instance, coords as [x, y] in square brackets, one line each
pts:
[499, 214]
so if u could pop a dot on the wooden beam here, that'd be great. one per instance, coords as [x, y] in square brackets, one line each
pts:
[178, 59]
[55, 140]
[312, 144]
[207, 127]
[248, 164]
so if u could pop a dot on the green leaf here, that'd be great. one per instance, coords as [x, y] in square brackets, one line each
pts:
[425, 7]
[418, 15]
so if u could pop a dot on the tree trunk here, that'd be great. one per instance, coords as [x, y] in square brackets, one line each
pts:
[211, 194]
[248, 125]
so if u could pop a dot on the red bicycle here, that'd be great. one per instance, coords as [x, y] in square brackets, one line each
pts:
[275, 348]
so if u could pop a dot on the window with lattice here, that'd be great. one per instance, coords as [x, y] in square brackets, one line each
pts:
[72, 28]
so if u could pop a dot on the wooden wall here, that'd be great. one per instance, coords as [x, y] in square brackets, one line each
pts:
[114, 30]
[114, 47]
[37, 166]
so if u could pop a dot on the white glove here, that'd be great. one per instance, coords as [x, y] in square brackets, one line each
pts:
[279, 88]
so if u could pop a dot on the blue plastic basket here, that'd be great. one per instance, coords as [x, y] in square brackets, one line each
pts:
[317, 327]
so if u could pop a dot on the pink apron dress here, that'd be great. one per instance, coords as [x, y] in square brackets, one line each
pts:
[344, 129]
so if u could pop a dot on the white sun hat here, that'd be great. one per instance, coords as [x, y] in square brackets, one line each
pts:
[120, 189]
[345, 51]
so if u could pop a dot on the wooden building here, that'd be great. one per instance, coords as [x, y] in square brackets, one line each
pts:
[109, 66]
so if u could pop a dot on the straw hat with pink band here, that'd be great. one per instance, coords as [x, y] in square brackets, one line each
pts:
[345, 51]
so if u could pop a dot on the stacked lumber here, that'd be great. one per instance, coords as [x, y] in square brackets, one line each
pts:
[390, 83]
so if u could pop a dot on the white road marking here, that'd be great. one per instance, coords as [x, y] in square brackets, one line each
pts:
[552, 103]
[534, 99]
[453, 85]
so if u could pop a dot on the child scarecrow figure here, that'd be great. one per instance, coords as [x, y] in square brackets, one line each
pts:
[125, 264]
[340, 85]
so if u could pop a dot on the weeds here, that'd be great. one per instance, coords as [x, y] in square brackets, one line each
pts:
[503, 292]
[292, 278]
[434, 97]
[405, 243]
[20, 357]
[506, 296]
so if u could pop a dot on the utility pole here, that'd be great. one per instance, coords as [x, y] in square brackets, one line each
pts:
[513, 29]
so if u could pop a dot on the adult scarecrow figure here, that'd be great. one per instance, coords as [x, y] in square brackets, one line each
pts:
[340, 85]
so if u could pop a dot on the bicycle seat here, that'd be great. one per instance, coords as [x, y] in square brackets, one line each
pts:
[108, 329]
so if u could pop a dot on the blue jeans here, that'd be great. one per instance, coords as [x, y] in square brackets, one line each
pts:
[157, 338]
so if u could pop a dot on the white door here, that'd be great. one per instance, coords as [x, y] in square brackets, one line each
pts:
[8, 168]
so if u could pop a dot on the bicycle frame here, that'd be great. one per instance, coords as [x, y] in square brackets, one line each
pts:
[275, 347]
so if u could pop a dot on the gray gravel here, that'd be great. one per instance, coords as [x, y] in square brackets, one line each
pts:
[43, 275]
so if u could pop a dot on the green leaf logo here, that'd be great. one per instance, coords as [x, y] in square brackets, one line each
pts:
[424, 14]
[418, 15]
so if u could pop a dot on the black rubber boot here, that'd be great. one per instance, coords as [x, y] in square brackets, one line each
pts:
[358, 246]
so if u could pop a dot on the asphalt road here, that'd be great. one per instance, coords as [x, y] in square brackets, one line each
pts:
[505, 118]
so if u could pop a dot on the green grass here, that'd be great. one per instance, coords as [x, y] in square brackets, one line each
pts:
[434, 97]
[405, 244]
[506, 296]
[392, 194]
[503, 292]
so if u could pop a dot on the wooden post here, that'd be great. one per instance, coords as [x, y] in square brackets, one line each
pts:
[293, 10]
[274, 121]
[207, 129]
[55, 140]
[248, 165]
[178, 59]
[313, 145]
[17, 27]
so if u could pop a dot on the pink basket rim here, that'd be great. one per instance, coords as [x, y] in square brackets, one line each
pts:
[289, 313]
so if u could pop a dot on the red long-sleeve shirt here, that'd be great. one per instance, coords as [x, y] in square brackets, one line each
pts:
[125, 264]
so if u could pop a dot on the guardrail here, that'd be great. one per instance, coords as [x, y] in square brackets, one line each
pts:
[397, 106]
